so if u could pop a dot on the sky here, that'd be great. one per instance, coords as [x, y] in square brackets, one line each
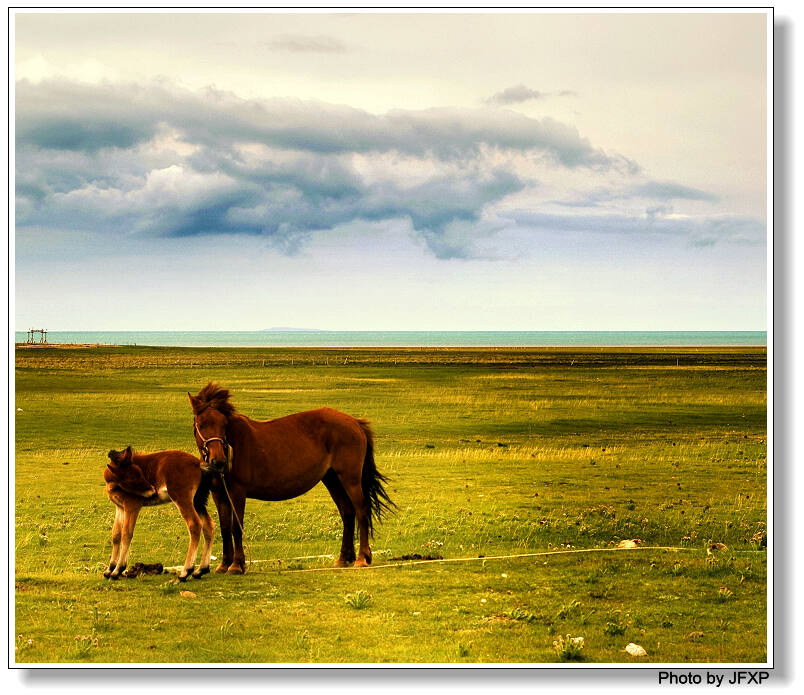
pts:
[536, 171]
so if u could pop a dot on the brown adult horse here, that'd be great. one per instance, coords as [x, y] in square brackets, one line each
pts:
[284, 458]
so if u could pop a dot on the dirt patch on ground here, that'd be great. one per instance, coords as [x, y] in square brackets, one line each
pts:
[144, 568]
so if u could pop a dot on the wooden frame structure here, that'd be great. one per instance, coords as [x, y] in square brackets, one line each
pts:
[33, 333]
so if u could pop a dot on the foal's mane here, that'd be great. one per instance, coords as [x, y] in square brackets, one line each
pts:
[215, 397]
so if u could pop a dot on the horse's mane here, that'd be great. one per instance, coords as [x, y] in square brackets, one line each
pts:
[215, 397]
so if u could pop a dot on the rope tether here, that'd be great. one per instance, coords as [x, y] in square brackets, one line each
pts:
[486, 557]
[408, 563]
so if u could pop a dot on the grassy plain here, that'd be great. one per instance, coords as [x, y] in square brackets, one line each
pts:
[490, 452]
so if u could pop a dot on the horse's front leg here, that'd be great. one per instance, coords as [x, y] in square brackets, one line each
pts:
[225, 522]
[238, 565]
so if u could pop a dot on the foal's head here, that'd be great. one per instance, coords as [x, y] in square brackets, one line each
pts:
[211, 411]
[124, 473]
[120, 461]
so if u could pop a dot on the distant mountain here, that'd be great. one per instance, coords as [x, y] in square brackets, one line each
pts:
[290, 329]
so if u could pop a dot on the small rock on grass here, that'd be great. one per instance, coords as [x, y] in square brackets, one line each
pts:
[635, 650]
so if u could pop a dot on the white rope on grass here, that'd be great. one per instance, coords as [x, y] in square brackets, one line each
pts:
[280, 560]
[407, 563]
[486, 557]
[177, 568]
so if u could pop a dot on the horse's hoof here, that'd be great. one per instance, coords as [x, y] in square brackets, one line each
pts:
[183, 577]
[361, 562]
[107, 574]
[200, 572]
[342, 562]
[114, 575]
[221, 569]
[235, 569]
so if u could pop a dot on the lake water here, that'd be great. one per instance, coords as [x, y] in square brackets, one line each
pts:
[406, 338]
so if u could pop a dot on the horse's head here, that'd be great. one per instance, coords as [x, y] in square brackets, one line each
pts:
[211, 411]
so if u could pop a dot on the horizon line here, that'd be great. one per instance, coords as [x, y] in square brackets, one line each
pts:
[400, 330]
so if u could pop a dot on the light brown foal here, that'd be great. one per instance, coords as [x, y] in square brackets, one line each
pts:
[134, 481]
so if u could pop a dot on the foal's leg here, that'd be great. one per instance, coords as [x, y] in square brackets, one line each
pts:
[117, 532]
[131, 509]
[347, 512]
[193, 522]
[225, 520]
[208, 529]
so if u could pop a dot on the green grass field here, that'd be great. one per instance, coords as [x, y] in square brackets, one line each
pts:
[490, 452]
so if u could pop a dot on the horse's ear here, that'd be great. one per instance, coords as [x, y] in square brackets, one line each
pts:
[127, 455]
[193, 401]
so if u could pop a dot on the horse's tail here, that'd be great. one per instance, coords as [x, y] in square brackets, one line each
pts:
[379, 503]
[201, 496]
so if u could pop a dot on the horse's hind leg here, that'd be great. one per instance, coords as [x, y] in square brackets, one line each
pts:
[347, 512]
[354, 489]
[208, 529]
[117, 533]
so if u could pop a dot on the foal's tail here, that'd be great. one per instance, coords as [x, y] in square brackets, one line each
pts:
[374, 493]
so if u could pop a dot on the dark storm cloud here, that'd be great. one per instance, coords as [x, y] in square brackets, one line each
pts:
[107, 116]
[285, 206]
[95, 157]
[83, 135]
[61, 115]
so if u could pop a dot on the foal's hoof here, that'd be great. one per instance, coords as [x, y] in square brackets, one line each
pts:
[114, 575]
[107, 574]
[200, 572]
[183, 577]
